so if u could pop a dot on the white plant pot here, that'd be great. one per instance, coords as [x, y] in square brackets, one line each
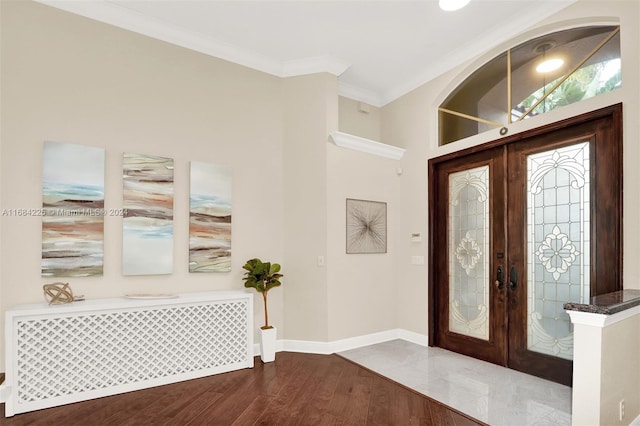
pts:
[268, 344]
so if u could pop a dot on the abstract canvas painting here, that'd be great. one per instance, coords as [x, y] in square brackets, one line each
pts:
[366, 226]
[147, 241]
[210, 218]
[72, 210]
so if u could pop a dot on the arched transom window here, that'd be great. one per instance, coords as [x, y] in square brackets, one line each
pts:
[530, 79]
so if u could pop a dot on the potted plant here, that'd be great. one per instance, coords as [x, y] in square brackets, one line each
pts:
[263, 276]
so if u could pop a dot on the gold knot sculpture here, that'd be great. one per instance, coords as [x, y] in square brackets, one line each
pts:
[57, 293]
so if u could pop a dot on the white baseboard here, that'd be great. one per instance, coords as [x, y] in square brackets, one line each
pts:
[326, 348]
[5, 391]
[410, 336]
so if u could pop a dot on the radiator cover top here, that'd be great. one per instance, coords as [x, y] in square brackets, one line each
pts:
[68, 353]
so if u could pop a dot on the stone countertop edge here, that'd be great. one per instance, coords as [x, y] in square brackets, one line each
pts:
[608, 304]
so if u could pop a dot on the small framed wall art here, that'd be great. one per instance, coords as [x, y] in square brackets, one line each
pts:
[366, 226]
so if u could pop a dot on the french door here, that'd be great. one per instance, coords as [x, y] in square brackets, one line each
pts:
[517, 228]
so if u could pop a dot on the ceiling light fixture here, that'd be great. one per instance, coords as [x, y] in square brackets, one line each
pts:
[450, 5]
[549, 65]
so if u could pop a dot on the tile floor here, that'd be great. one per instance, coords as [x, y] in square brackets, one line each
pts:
[487, 392]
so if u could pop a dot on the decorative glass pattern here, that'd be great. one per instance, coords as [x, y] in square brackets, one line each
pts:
[557, 245]
[468, 248]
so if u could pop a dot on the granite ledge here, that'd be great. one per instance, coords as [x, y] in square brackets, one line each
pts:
[608, 304]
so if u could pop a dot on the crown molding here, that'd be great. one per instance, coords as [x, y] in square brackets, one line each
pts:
[359, 94]
[113, 14]
[345, 140]
[306, 66]
[121, 17]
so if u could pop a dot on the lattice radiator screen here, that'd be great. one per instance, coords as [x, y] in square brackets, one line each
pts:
[68, 353]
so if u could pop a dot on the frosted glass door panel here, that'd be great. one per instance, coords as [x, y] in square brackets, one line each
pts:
[557, 245]
[468, 246]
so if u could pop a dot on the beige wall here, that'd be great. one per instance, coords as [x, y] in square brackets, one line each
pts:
[358, 123]
[605, 368]
[411, 122]
[620, 369]
[311, 112]
[350, 295]
[407, 123]
[71, 79]
[362, 287]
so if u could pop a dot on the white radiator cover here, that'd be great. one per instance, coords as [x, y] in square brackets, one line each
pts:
[67, 353]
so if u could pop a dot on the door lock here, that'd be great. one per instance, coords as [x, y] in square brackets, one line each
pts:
[513, 278]
[500, 278]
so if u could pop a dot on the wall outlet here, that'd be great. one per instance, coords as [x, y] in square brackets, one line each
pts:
[621, 405]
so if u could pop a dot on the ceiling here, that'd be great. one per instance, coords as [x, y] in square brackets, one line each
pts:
[379, 50]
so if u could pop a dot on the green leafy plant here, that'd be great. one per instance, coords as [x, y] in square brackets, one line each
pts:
[262, 276]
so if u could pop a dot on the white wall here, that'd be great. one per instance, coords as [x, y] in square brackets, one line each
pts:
[412, 123]
[71, 79]
[587, 375]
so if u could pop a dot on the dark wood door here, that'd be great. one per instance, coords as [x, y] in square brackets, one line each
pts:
[564, 204]
[553, 235]
[470, 194]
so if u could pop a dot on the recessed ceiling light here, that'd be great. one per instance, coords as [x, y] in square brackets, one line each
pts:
[450, 5]
[549, 65]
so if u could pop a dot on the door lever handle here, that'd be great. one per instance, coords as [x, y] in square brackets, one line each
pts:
[513, 278]
[500, 278]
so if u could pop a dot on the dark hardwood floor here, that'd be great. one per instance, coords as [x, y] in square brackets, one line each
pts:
[296, 389]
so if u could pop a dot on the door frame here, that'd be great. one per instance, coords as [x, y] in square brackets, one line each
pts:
[614, 112]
